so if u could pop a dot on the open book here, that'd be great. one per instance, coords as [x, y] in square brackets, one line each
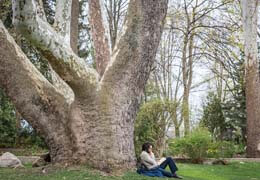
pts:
[161, 160]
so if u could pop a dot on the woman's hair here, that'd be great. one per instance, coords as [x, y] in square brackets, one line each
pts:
[146, 146]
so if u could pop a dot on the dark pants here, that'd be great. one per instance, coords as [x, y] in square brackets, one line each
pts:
[169, 161]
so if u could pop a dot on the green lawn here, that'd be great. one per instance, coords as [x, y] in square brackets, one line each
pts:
[234, 171]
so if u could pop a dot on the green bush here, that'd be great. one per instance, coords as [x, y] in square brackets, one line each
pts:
[224, 149]
[150, 126]
[194, 146]
[221, 149]
[200, 145]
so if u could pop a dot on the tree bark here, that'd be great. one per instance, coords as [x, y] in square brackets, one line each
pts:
[177, 131]
[74, 26]
[185, 76]
[83, 119]
[187, 67]
[100, 35]
[250, 13]
[35, 98]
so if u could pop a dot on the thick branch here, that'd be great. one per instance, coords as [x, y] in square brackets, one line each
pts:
[134, 54]
[69, 66]
[100, 35]
[63, 19]
[61, 86]
[43, 105]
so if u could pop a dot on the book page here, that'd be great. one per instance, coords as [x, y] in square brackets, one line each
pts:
[161, 160]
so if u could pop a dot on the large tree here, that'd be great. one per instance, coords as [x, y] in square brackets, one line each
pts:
[252, 78]
[85, 115]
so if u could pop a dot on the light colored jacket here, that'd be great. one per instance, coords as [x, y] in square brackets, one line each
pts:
[148, 160]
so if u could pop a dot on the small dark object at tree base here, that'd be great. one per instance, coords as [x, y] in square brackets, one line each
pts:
[220, 162]
[42, 161]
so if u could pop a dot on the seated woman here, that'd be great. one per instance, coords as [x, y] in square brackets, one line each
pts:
[154, 168]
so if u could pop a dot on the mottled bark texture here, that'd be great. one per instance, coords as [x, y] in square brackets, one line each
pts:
[99, 35]
[74, 26]
[250, 13]
[85, 118]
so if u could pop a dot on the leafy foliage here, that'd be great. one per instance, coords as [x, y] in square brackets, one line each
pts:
[226, 120]
[194, 145]
[225, 149]
[213, 117]
[7, 121]
[13, 132]
[151, 125]
[200, 145]
[6, 13]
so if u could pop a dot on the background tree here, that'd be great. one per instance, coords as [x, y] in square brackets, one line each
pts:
[250, 16]
[213, 117]
[116, 11]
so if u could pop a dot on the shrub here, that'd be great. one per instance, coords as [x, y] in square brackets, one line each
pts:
[224, 149]
[199, 145]
[194, 145]
[150, 126]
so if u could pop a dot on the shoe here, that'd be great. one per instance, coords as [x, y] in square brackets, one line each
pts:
[176, 176]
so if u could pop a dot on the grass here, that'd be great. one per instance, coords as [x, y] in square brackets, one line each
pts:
[234, 171]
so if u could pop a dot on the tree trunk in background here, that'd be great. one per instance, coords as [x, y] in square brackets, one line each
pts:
[187, 80]
[250, 13]
[84, 117]
[74, 26]
[177, 131]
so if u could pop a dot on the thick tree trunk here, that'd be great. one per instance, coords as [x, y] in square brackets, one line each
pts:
[250, 13]
[83, 120]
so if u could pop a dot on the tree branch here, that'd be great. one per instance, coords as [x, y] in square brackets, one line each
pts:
[63, 19]
[70, 67]
[134, 53]
[100, 35]
[41, 103]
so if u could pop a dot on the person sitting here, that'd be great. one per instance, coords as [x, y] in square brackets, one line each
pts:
[150, 167]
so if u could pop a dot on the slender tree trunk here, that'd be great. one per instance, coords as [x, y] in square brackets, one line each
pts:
[250, 14]
[185, 100]
[185, 111]
[177, 131]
